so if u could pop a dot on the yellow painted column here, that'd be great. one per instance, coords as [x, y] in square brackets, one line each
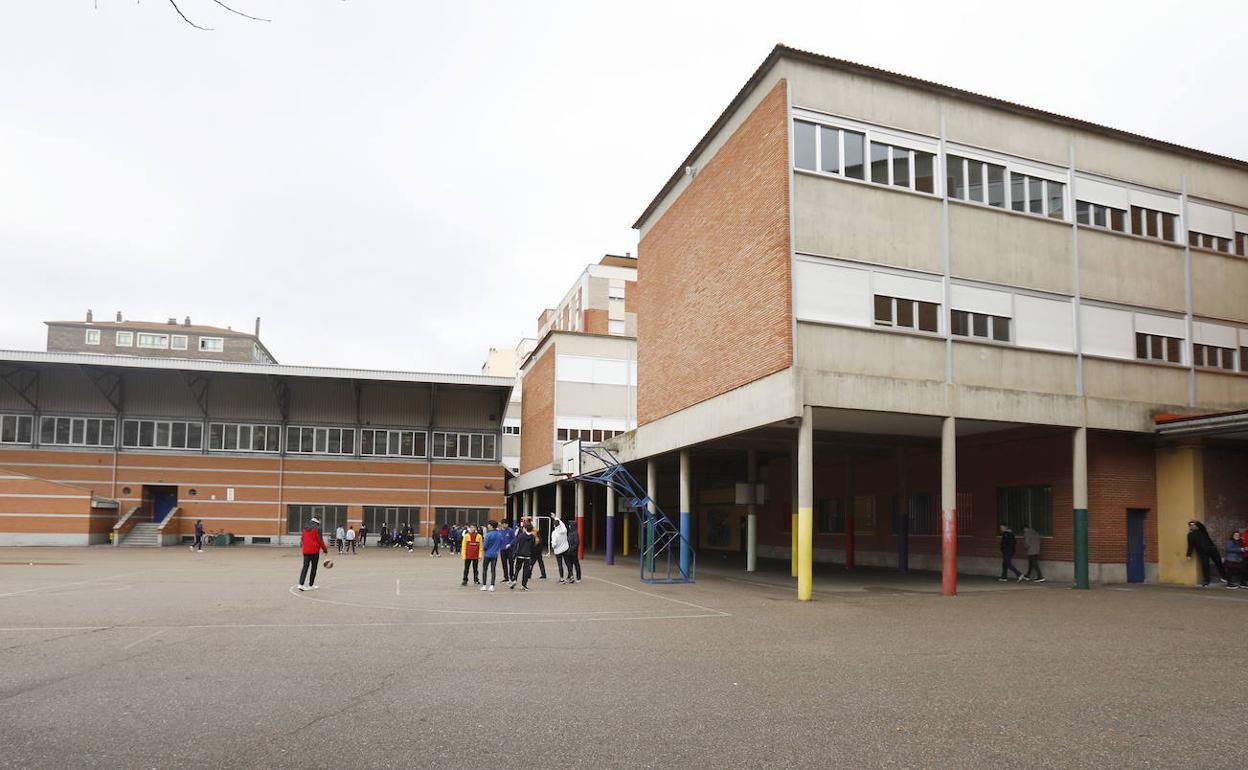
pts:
[793, 514]
[627, 516]
[1180, 498]
[805, 528]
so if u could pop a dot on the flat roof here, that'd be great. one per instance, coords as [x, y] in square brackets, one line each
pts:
[227, 367]
[782, 51]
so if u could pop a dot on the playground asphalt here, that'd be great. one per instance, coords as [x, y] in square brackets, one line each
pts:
[163, 658]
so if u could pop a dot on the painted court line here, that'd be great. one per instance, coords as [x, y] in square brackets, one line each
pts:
[664, 598]
[66, 585]
[294, 591]
[152, 635]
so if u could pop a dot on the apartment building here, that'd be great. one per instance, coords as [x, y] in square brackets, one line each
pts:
[157, 340]
[142, 447]
[506, 363]
[579, 381]
[911, 313]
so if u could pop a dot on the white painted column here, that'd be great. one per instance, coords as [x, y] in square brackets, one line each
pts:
[686, 515]
[751, 512]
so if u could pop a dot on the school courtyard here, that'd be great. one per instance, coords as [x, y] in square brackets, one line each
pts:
[162, 658]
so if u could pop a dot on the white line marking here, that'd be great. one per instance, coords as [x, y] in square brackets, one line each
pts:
[659, 596]
[67, 585]
[561, 613]
[209, 626]
[152, 635]
[396, 586]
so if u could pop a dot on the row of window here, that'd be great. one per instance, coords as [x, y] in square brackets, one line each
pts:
[157, 341]
[376, 516]
[585, 434]
[1017, 507]
[848, 153]
[236, 437]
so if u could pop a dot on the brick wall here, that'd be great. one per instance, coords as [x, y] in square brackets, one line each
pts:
[595, 321]
[1226, 491]
[1122, 474]
[537, 442]
[714, 273]
[72, 339]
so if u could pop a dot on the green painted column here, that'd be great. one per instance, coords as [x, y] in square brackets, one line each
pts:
[1079, 483]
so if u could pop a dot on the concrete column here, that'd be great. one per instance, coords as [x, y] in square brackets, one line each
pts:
[610, 557]
[793, 494]
[948, 507]
[558, 501]
[1079, 489]
[652, 491]
[580, 519]
[1180, 499]
[805, 505]
[686, 514]
[751, 512]
[903, 515]
[526, 502]
[851, 518]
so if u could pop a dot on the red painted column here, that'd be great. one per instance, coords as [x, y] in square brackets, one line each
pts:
[948, 508]
[849, 517]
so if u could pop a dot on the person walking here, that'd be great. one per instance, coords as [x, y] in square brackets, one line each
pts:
[537, 551]
[1007, 554]
[490, 547]
[350, 539]
[1031, 544]
[559, 544]
[573, 557]
[340, 536]
[524, 558]
[199, 536]
[1198, 540]
[1234, 561]
[470, 551]
[508, 554]
[435, 537]
[313, 547]
[364, 535]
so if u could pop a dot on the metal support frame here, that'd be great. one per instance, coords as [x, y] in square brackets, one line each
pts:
[198, 385]
[110, 384]
[281, 394]
[24, 382]
[666, 543]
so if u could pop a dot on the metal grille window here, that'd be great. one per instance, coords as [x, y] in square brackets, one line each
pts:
[830, 516]
[464, 446]
[239, 437]
[1155, 347]
[330, 516]
[77, 431]
[1213, 357]
[392, 516]
[162, 434]
[322, 441]
[965, 502]
[920, 518]
[15, 428]
[1027, 506]
[392, 443]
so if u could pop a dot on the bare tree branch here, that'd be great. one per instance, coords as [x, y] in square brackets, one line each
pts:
[188, 21]
[240, 13]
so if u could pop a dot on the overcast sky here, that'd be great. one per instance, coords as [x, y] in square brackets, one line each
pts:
[406, 184]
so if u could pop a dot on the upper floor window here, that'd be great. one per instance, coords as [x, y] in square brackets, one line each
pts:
[906, 313]
[990, 327]
[211, 344]
[77, 431]
[843, 152]
[1096, 215]
[15, 428]
[1212, 242]
[178, 342]
[615, 327]
[162, 434]
[93, 337]
[153, 340]
[125, 339]
[1241, 244]
[592, 435]
[324, 441]
[1153, 224]
[984, 182]
[1156, 347]
[235, 437]
[392, 443]
[1213, 357]
[464, 446]
[511, 430]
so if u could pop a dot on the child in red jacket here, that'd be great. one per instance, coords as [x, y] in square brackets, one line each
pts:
[313, 547]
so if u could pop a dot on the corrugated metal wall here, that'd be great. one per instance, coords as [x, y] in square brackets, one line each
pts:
[322, 401]
[394, 404]
[235, 398]
[160, 394]
[461, 408]
[69, 390]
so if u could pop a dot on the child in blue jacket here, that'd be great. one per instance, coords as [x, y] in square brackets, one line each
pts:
[489, 559]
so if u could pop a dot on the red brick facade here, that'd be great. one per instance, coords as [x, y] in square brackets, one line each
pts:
[537, 413]
[595, 321]
[714, 273]
[1226, 490]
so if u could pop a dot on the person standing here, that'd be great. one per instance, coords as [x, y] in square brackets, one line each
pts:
[490, 547]
[1198, 540]
[470, 551]
[364, 535]
[1007, 554]
[559, 544]
[199, 536]
[435, 537]
[350, 539]
[340, 536]
[1234, 561]
[573, 557]
[1031, 544]
[537, 551]
[384, 537]
[508, 555]
[524, 558]
[313, 547]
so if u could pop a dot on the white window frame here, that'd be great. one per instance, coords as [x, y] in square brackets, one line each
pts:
[92, 337]
[237, 429]
[220, 345]
[77, 426]
[1219, 354]
[125, 339]
[914, 310]
[156, 341]
[320, 435]
[168, 425]
[14, 423]
[1165, 348]
[914, 143]
[1047, 175]
[175, 339]
[463, 446]
[993, 320]
[386, 433]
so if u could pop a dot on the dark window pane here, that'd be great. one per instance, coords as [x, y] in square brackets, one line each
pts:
[62, 430]
[1057, 199]
[830, 150]
[1150, 217]
[231, 437]
[958, 322]
[129, 433]
[1228, 359]
[905, 313]
[273, 439]
[879, 163]
[853, 155]
[1118, 220]
[927, 316]
[392, 441]
[1141, 345]
[194, 436]
[215, 437]
[1083, 212]
[1098, 216]
[901, 167]
[1001, 329]
[79, 433]
[327, 440]
[162, 434]
[1198, 355]
[1018, 191]
[47, 430]
[107, 427]
[147, 433]
[1172, 350]
[405, 448]
[924, 178]
[1193, 239]
[306, 439]
[979, 325]
[366, 442]
[883, 309]
[1167, 226]
[258, 438]
[975, 181]
[1155, 348]
[348, 442]
[956, 182]
[179, 435]
[1035, 195]
[804, 145]
[1137, 220]
[996, 186]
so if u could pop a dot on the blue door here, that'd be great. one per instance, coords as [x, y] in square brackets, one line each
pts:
[164, 500]
[1136, 517]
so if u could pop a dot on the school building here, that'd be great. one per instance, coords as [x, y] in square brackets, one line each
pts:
[881, 316]
[94, 446]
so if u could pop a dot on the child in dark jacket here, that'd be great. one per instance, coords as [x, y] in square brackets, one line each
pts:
[524, 558]
[1007, 554]
[1198, 540]
[1234, 561]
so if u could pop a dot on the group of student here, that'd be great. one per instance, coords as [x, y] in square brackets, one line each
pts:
[1229, 563]
[519, 550]
[404, 537]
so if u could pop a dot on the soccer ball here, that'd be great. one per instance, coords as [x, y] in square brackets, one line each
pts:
[329, 564]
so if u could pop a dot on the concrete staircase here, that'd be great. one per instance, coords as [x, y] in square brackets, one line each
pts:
[145, 533]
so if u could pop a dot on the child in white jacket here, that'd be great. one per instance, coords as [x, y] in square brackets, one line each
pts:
[559, 544]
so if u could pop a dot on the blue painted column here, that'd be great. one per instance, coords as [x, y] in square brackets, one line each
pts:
[686, 515]
[610, 526]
